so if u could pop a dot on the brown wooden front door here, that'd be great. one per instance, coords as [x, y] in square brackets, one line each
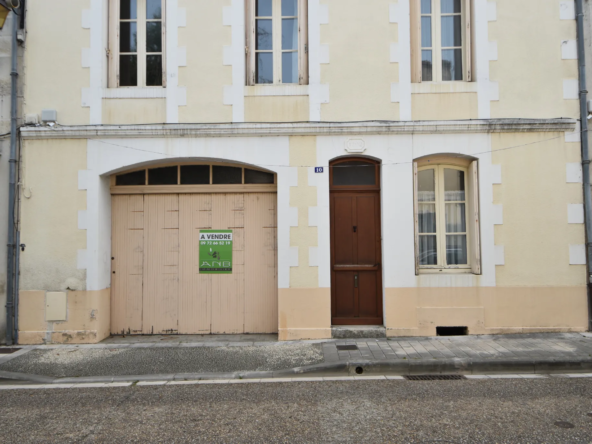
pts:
[356, 269]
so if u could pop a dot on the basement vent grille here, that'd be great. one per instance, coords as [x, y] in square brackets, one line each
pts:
[347, 347]
[435, 378]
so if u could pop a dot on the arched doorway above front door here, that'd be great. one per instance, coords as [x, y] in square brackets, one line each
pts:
[356, 256]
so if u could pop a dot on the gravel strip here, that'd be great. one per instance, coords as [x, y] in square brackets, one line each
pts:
[146, 361]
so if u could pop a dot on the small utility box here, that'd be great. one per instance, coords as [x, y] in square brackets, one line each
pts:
[55, 306]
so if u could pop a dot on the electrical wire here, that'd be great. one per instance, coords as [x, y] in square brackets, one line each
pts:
[341, 166]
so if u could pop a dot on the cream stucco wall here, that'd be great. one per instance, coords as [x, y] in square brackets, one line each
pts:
[205, 75]
[53, 65]
[49, 217]
[535, 232]
[133, 111]
[460, 106]
[277, 109]
[302, 156]
[529, 67]
[359, 73]
[87, 318]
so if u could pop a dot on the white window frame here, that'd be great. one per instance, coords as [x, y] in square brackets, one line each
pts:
[113, 53]
[416, 44]
[471, 216]
[251, 51]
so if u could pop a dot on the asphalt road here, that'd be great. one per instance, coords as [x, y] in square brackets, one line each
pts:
[476, 411]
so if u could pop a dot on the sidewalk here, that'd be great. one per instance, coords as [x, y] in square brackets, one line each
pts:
[168, 358]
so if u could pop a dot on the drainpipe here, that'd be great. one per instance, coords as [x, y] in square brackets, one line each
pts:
[585, 151]
[10, 287]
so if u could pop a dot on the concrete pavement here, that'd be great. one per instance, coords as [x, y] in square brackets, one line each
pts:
[173, 358]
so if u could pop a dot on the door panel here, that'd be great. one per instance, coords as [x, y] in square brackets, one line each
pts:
[161, 267]
[366, 229]
[356, 258]
[127, 265]
[343, 215]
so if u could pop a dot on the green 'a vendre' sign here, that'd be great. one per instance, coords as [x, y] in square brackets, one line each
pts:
[215, 252]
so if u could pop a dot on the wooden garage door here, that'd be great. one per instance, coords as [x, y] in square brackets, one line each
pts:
[156, 284]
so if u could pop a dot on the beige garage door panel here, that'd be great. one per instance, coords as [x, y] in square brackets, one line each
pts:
[168, 295]
[127, 264]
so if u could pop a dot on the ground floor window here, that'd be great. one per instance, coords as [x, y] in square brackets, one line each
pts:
[447, 216]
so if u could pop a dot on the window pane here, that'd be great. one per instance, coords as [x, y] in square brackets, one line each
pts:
[451, 31]
[154, 9]
[264, 34]
[354, 173]
[227, 175]
[426, 66]
[128, 70]
[289, 33]
[264, 67]
[195, 174]
[154, 70]
[289, 8]
[254, 176]
[426, 32]
[456, 250]
[154, 37]
[263, 8]
[427, 218]
[426, 186]
[450, 6]
[428, 251]
[455, 218]
[452, 64]
[128, 10]
[290, 67]
[163, 176]
[128, 38]
[135, 178]
[454, 185]
[426, 6]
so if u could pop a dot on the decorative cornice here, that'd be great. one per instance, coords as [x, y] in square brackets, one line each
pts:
[299, 129]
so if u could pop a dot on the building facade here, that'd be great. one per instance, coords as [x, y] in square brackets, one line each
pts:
[293, 166]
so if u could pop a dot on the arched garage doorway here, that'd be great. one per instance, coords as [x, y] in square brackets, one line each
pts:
[167, 278]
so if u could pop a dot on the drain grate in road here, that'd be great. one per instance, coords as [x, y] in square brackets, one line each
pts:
[435, 377]
[347, 347]
[7, 351]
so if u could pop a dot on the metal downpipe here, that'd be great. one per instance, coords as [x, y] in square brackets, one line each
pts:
[585, 151]
[11, 247]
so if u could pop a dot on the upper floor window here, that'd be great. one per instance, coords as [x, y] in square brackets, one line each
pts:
[441, 40]
[137, 43]
[447, 216]
[277, 50]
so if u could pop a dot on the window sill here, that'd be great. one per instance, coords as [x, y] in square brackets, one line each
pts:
[443, 87]
[441, 271]
[151, 92]
[276, 90]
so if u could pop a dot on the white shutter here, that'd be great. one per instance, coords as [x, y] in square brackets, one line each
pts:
[474, 219]
[113, 56]
[416, 216]
[303, 42]
[468, 41]
[415, 17]
[250, 41]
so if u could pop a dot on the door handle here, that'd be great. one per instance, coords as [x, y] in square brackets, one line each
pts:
[355, 229]
[355, 281]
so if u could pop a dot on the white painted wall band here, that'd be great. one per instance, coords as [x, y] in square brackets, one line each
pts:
[577, 255]
[401, 92]
[575, 213]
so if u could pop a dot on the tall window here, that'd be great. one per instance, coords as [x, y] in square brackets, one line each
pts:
[137, 43]
[276, 42]
[441, 38]
[447, 230]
